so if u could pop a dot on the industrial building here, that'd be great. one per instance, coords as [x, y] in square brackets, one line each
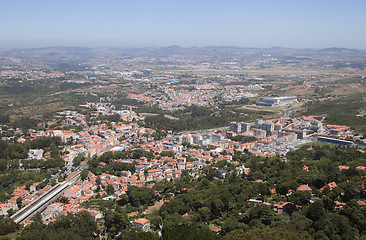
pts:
[276, 101]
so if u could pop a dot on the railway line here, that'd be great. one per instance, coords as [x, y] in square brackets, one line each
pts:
[44, 200]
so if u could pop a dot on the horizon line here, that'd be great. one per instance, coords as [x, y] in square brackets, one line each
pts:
[175, 45]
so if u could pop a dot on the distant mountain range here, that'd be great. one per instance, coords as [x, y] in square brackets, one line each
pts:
[174, 49]
[80, 54]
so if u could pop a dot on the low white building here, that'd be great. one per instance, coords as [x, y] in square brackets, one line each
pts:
[35, 154]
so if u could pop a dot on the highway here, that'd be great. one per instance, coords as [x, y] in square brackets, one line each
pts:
[44, 200]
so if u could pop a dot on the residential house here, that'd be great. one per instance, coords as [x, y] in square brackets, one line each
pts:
[142, 223]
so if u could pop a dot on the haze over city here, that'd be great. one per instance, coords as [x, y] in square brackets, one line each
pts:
[265, 23]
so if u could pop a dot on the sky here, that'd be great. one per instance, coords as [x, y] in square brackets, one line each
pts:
[187, 23]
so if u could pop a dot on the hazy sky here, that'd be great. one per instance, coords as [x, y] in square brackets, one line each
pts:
[133, 23]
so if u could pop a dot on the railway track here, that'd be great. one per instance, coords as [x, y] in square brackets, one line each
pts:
[44, 200]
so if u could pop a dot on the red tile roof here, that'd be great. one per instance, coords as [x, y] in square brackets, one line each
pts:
[304, 188]
[142, 221]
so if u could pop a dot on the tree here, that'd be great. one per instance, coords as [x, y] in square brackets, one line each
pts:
[167, 154]
[77, 226]
[19, 202]
[10, 212]
[123, 200]
[268, 234]
[3, 165]
[189, 233]
[172, 221]
[115, 221]
[205, 213]
[231, 224]
[301, 198]
[84, 174]
[235, 234]
[262, 212]
[298, 222]
[7, 226]
[110, 189]
[138, 196]
[155, 221]
[315, 210]
[38, 218]
[78, 159]
[64, 200]
[135, 233]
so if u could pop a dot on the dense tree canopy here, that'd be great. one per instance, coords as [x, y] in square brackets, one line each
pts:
[73, 226]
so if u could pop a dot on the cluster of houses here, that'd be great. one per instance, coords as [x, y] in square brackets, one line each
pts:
[177, 97]
[340, 131]
[171, 156]
[290, 207]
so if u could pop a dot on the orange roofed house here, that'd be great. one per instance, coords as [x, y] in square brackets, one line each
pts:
[304, 188]
[215, 229]
[73, 192]
[142, 223]
[4, 207]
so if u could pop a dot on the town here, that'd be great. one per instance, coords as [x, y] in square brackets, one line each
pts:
[171, 155]
[151, 144]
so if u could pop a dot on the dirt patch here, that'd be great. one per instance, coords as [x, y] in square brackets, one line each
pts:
[171, 117]
[155, 114]
[39, 110]
[154, 208]
[298, 91]
[148, 114]
[261, 109]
